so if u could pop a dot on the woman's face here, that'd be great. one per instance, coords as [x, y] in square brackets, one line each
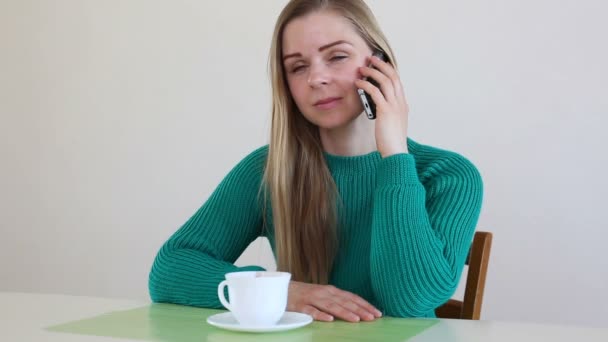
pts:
[321, 56]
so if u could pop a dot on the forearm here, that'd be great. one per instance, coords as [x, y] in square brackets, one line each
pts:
[420, 239]
[410, 272]
[189, 277]
[190, 265]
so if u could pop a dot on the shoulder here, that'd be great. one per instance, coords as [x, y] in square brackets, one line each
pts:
[249, 170]
[255, 161]
[433, 163]
[259, 155]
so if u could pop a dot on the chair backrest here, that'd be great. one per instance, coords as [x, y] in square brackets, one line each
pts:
[477, 260]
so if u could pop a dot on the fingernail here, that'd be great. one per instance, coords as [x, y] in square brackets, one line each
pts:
[378, 313]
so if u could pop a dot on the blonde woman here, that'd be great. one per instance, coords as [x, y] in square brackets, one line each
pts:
[368, 221]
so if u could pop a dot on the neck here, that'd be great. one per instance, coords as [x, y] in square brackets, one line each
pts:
[356, 138]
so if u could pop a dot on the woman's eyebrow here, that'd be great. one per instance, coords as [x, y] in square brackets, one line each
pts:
[324, 47]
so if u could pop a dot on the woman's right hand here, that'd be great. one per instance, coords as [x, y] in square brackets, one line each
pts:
[326, 302]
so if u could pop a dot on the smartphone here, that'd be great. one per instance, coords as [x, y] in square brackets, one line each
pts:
[366, 99]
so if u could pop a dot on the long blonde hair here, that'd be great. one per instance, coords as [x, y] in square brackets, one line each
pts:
[298, 182]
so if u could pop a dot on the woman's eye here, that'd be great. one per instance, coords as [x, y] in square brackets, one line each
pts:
[337, 57]
[297, 68]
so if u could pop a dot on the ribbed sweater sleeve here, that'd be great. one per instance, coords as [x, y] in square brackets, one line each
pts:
[421, 237]
[191, 264]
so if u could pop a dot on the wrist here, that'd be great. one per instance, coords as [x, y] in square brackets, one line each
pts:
[396, 144]
[393, 151]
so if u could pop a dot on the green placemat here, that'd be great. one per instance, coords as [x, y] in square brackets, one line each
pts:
[173, 323]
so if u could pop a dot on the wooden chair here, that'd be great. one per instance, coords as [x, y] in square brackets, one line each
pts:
[477, 260]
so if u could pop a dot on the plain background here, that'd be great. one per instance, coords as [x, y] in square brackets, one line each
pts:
[118, 119]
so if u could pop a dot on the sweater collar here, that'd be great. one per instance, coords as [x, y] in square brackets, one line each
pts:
[352, 165]
[361, 164]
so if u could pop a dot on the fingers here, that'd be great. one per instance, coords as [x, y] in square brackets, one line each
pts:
[390, 72]
[364, 305]
[350, 307]
[385, 84]
[326, 302]
[388, 79]
[334, 308]
[316, 314]
[349, 311]
[373, 91]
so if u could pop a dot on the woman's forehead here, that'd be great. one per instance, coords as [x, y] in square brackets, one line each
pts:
[317, 29]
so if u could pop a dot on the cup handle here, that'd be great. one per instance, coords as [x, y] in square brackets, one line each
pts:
[220, 294]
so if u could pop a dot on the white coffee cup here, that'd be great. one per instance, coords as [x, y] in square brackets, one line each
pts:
[256, 298]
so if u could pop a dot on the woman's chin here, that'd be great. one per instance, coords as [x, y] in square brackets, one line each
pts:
[334, 121]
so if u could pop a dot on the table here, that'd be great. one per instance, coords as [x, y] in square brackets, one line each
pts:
[28, 317]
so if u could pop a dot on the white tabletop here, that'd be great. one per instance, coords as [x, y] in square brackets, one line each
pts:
[24, 317]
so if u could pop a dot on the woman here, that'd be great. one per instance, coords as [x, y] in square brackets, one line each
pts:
[365, 219]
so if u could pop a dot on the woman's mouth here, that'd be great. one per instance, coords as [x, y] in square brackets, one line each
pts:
[328, 103]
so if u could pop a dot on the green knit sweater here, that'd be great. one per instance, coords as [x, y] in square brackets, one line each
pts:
[404, 230]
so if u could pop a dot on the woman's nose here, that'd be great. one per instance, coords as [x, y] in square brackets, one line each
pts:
[318, 76]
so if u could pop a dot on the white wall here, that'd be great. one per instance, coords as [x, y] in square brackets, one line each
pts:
[118, 119]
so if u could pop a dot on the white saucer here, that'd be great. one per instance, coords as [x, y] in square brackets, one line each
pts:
[290, 320]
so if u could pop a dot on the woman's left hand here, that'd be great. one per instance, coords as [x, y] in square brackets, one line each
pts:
[391, 107]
